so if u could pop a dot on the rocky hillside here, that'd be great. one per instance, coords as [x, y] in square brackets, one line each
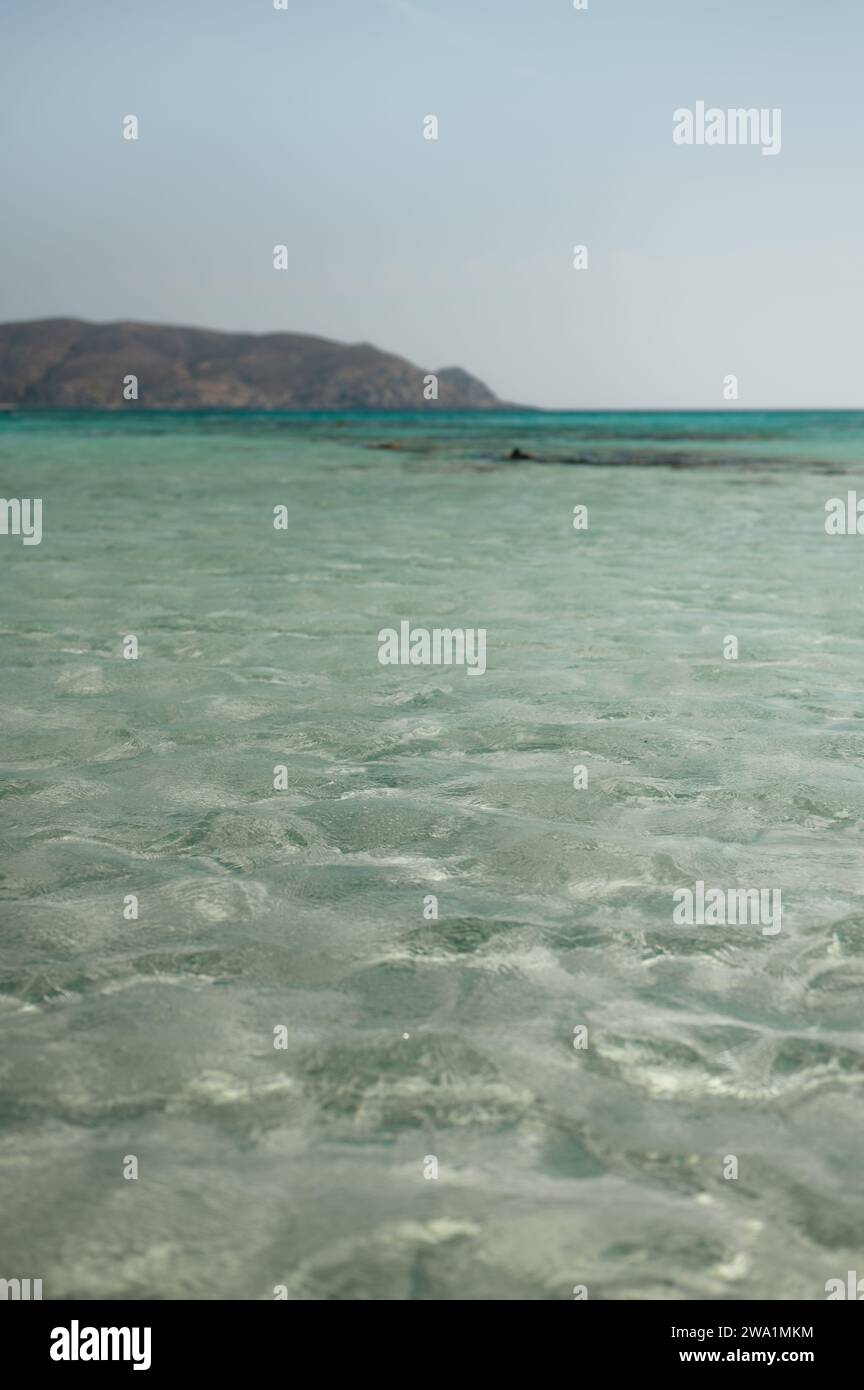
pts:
[70, 364]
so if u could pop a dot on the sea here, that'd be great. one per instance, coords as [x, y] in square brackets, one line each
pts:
[325, 979]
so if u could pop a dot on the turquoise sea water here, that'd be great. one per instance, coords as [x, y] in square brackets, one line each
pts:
[303, 909]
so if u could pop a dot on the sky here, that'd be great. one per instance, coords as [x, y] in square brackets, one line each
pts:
[304, 127]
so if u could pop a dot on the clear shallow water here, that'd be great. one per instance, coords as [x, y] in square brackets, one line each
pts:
[304, 908]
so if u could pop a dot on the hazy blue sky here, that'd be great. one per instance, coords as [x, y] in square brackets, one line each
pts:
[304, 127]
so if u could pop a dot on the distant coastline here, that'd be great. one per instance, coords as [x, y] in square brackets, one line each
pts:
[72, 364]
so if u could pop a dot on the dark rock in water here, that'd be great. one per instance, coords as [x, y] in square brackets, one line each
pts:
[520, 454]
[388, 444]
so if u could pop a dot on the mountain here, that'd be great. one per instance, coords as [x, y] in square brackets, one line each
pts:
[70, 364]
